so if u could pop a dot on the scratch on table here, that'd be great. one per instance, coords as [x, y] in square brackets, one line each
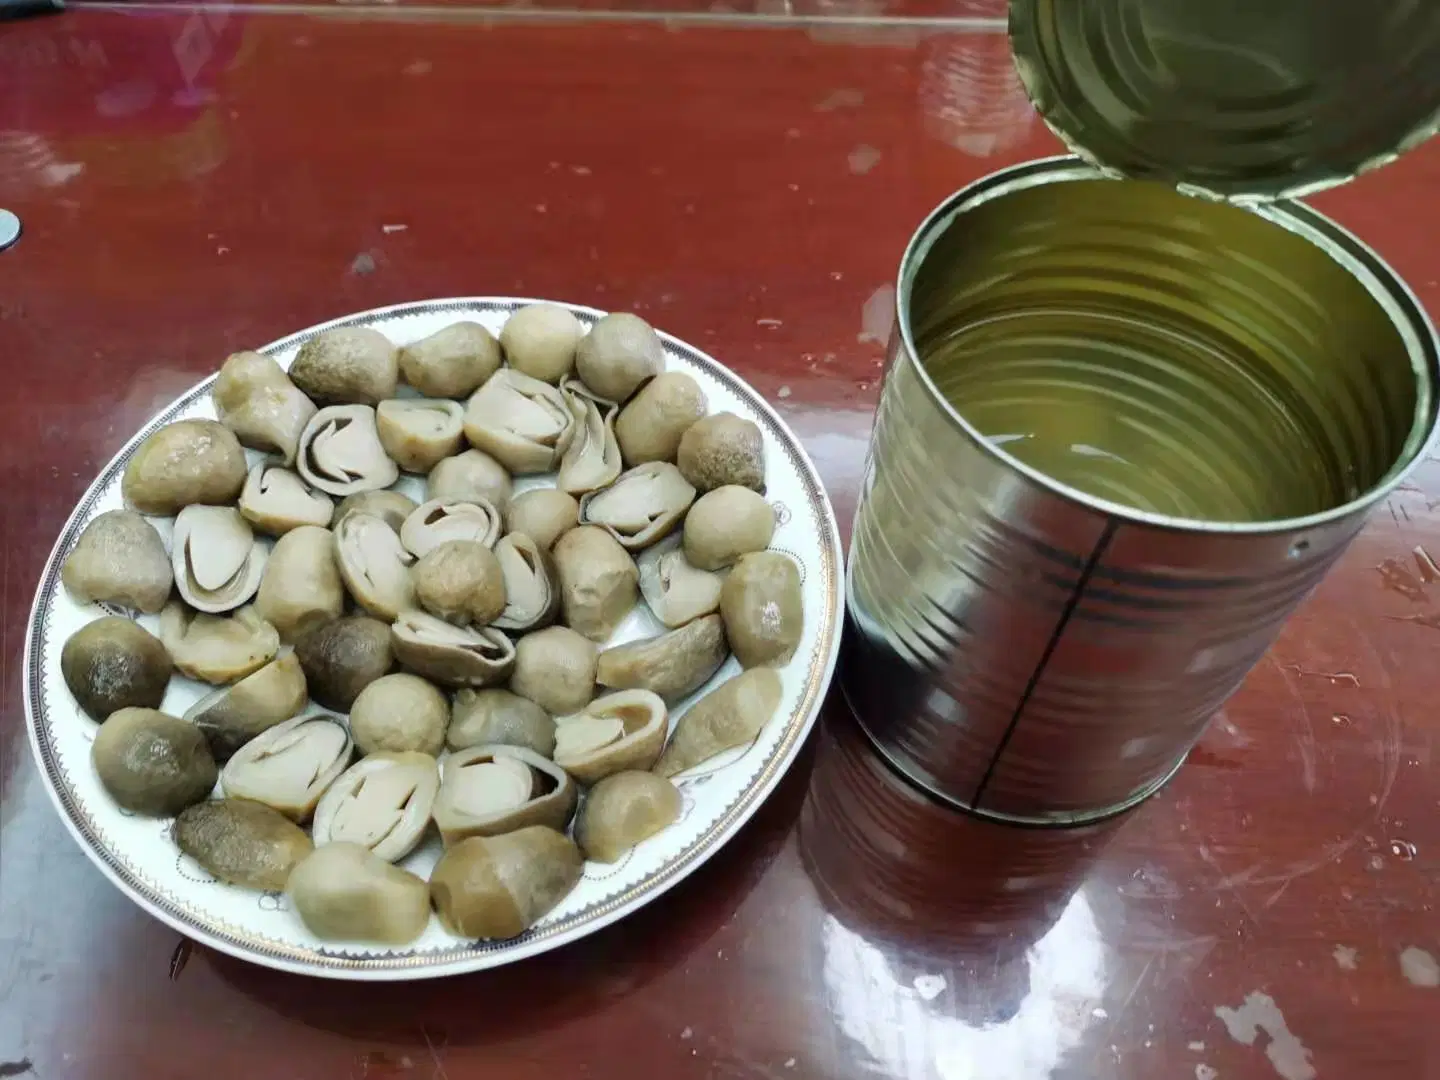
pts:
[1305, 739]
[439, 1072]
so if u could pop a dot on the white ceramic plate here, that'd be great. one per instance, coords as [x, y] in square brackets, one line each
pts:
[138, 854]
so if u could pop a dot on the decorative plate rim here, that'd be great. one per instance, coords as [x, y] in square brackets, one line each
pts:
[418, 964]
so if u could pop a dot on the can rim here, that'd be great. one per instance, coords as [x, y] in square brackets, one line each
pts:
[1387, 288]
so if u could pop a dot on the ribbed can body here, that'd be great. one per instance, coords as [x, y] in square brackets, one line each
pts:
[1036, 652]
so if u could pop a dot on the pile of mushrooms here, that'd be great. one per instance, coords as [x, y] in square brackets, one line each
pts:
[383, 670]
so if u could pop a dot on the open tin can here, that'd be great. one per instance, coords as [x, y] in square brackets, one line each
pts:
[1139, 400]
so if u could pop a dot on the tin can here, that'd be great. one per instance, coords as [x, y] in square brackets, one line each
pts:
[1040, 637]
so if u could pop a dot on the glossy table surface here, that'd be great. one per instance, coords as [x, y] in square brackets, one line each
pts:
[194, 181]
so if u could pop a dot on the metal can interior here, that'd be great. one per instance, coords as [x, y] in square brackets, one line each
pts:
[1123, 432]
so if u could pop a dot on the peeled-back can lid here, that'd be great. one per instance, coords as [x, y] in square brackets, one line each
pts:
[1244, 100]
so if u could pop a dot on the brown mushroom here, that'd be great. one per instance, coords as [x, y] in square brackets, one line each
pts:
[374, 564]
[399, 712]
[242, 842]
[344, 892]
[599, 583]
[540, 341]
[189, 461]
[532, 591]
[500, 716]
[119, 559]
[592, 458]
[256, 400]
[763, 609]
[499, 886]
[113, 663]
[451, 362]
[439, 520]
[151, 763]
[217, 649]
[640, 507]
[731, 715]
[301, 588]
[543, 514]
[650, 427]
[460, 581]
[217, 561]
[675, 591]
[722, 449]
[389, 506]
[725, 524]
[672, 665]
[233, 715]
[473, 476]
[622, 810]
[382, 802]
[342, 657]
[555, 668]
[618, 355]
[349, 365]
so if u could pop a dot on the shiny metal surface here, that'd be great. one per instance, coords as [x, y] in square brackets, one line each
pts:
[1247, 100]
[1037, 652]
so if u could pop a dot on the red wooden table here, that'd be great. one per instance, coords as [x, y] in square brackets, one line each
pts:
[196, 181]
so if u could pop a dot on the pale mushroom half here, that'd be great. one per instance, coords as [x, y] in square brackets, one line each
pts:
[676, 591]
[382, 802]
[434, 522]
[451, 655]
[275, 500]
[532, 594]
[642, 506]
[592, 459]
[374, 564]
[341, 453]
[290, 766]
[217, 561]
[489, 790]
[217, 648]
[233, 715]
[521, 422]
[419, 432]
[620, 731]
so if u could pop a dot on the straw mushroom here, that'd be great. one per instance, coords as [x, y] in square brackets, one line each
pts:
[217, 561]
[618, 355]
[217, 649]
[540, 341]
[451, 655]
[340, 451]
[622, 810]
[151, 763]
[672, 665]
[598, 581]
[344, 892]
[763, 609]
[620, 731]
[383, 802]
[374, 564]
[731, 715]
[301, 588]
[592, 458]
[544, 514]
[119, 559]
[722, 449]
[674, 590]
[417, 432]
[650, 427]
[242, 842]
[399, 712]
[113, 663]
[640, 507]
[493, 887]
[343, 657]
[451, 362]
[350, 365]
[555, 668]
[489, 790]
[189, 461]
[289, 766]
[470, 477]
[233, 715]
[460, 581]
[256, 400]
[276, 500]
[521, 422]
[500, 716]
[725, 524]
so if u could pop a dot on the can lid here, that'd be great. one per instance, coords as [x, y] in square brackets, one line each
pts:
[1242, 100]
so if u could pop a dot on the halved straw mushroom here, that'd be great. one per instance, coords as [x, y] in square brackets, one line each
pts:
[290, 766]
[374, 565]
[217, 648]
[419, 432]
[233, 715]
[671, 665]
[471, 476]
[340, 452]
[276, 500]
[390, 507]
[489, 790]
[217, 561]
[256, 400]
[674, 590]
[119, 559]
[383, 802]
[592, 459]
[620, 731]
[641, 506]
[532, 591]
[521, 422]
[434, 522]
[451, 655]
